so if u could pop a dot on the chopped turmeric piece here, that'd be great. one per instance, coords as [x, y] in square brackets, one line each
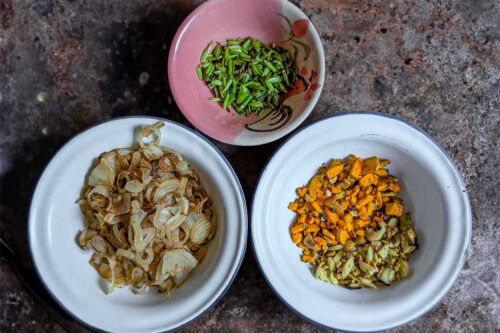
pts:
[366, 199]
[301, 191]
[320, 241]
[343, 236]
[298, 228]
[315, 185]
[394, 208]
[316, 207]
[382, 173]
[313, 228]
[369, 179]
[360, 232]
[382, 187]
[336, 189]
[356, 168]
[307, 258]
[394, 187]
[334, 170]
[333, 217]
[297, 238]
[361, 223]
[293, 206]
[372, 163]
[328, 234]
[379, 198]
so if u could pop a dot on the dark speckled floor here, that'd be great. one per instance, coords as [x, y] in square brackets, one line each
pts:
[434, 63]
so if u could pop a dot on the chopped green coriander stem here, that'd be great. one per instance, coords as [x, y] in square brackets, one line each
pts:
[246, 75]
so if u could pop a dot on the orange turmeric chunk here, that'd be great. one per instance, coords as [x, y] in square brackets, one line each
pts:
[369, 179]
[359, 223]
[313, 228]
[394, 187]
[320, 241]
[298, 228]
[333, 217]
[328, 234]
[302, 218]
[372, 163]
[293, 206]
[356, 190]
[315, 185]
[316, 207]
[301, 191]
[379, 198]
[343, 236]
[365, 200]
[307, 258]
[349, 226]
[370, 208]
[301, 210]
[334, 170]
[297, 238]
[382, 173]
[336, 189]
[356, 168]
[382, 187]
[394, 208]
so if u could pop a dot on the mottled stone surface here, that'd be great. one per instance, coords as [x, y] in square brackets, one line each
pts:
[435, 63]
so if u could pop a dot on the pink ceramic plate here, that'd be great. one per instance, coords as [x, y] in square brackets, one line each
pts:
[268, 20]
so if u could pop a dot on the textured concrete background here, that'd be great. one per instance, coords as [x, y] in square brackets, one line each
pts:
[434, 63]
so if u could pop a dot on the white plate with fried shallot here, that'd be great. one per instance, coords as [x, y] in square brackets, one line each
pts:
[138, 225]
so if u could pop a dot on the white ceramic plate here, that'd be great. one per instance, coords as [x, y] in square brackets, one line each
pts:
[432, 189]
[55, 220]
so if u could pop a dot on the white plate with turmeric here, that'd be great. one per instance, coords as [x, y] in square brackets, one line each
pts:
[361, 222]
[138, 233]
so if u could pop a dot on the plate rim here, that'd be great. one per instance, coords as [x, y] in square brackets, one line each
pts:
[194, 131]
[312, 103]
[468, 229]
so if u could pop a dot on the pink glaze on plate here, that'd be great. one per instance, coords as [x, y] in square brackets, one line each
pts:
[210, 22]
[218, 20]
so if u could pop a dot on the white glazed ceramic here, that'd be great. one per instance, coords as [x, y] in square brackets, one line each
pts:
[55, 221]
[433, 192]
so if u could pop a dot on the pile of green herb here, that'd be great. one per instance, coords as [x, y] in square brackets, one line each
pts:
[247, 75]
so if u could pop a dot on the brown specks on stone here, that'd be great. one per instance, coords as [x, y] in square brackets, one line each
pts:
[416, 59]
[3, 56]
[6, 14]
[60, 59]
[484, 47]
